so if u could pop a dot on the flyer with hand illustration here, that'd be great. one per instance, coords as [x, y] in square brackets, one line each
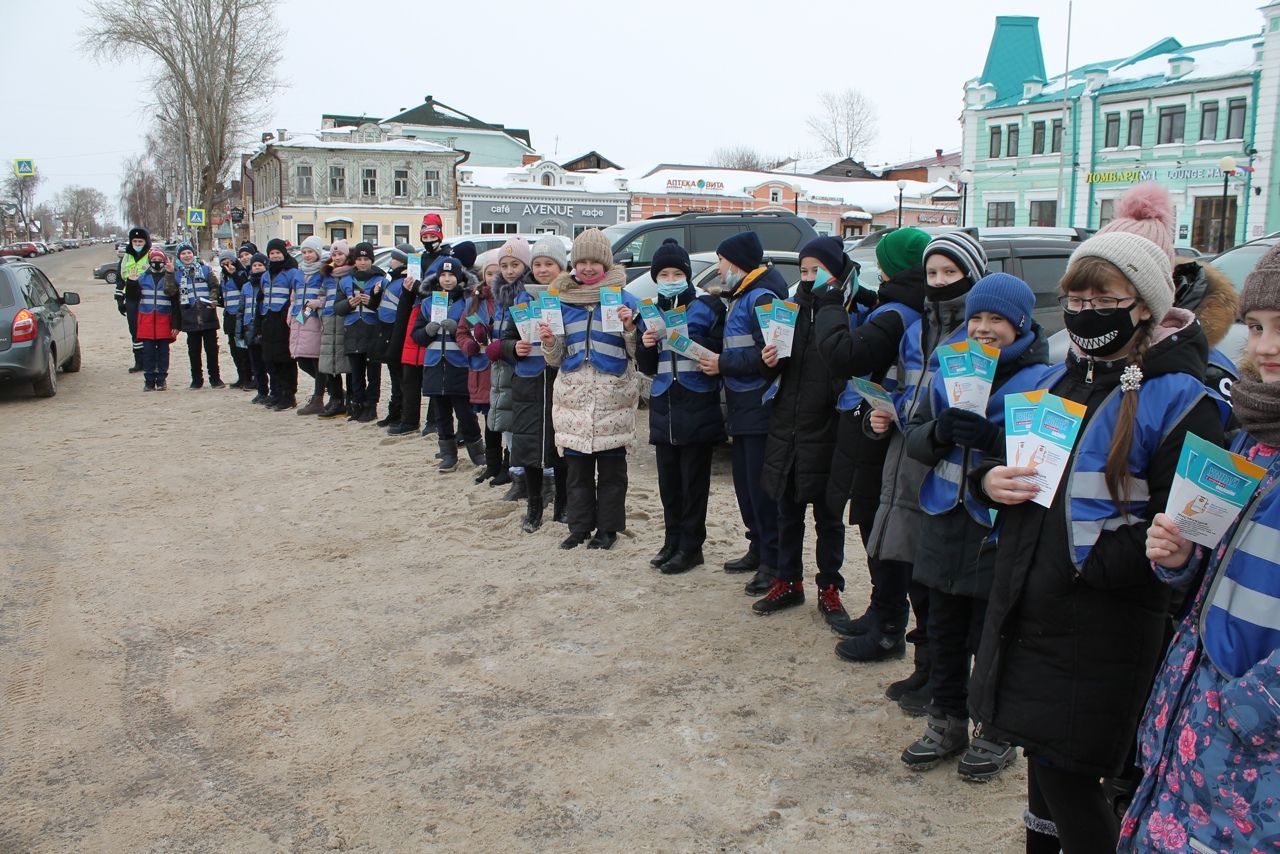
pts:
[686, 346]
[875, 396]
[520, 317]
[764, 316]
[968, 369]
[677, 320]
[782, 329]
[1040, 429]
[1210, 487]
[549, 312]
[439, 307]
[610, 302]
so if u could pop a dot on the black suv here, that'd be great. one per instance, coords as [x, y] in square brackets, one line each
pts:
[635, 242]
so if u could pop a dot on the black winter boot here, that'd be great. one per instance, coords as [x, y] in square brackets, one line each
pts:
[749, 562]
[475, 450]
[448, 455]
[519, 489]
[944, 736]
[335, 408]
[393, 416]
[492, 456]
[917, 681]
[367, 413]
[532, 520]
[876, 645]
[503, 477]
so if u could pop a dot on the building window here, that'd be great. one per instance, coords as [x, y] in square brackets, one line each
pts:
[1106, 212]
[400, 184]
[369, 234]
[546, 179]
[1037, 138]
[1011, 147]
[401, 234]
[1173, 122]
[431, 183]
[304, 180]
[337, 233]
[1044, 214]
[305, 231]
[337, 181]
[1055, 143]
[775, 195]
[993, 150]
[368, 182]
[1209, 121]
[999, 214]
[1135, 128]
[499, 228]
[1207, 222]
[1111, 139]
[1235, 119]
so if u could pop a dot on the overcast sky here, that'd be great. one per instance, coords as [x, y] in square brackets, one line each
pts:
[641, 82]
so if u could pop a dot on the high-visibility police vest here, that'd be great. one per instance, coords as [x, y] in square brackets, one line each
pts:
[587, 344]
[739, 328]
[192, 282]
[673, 366]
[480, 361]
[1240, 623]
[533, 364]
[249, 295]
[129, 266]
[849, 398]
[445, 346]
[361, 313]
[277, 289]
[944, 485]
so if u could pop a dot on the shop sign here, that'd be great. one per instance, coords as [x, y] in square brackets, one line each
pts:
[687, 184]
[1132, 176]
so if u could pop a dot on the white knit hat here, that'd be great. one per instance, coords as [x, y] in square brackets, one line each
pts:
[1142, 262]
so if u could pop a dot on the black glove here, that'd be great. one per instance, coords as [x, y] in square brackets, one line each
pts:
[828, 296]
[944, 426]
[970, 430]
[120, 307]
[866, 297]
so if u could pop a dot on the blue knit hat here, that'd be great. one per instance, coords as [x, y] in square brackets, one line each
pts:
[742, 250]
[1005, 295]
[829, 251]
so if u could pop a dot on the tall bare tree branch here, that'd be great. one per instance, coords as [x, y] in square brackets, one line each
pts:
[845, 123]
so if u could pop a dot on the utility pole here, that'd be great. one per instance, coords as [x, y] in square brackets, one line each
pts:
[1062, 149]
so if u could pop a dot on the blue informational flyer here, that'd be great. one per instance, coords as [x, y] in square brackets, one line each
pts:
[968, 369]
[549, 312]
[1210, 486]
[1040, 431]
[875, 396]
[610, 302]
[439, 307]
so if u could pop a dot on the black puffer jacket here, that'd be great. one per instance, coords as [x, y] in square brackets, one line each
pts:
[533, 438]
[681, 416]
[1067, 657]
[870, 351]
[802, 426]
[385, 347]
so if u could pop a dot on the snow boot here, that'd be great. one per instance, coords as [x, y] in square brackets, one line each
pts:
[915, 683]
[987, 757]
[335, 408]
[448, 455]
[314, 406]
[493, 456]
[876, 645]
[367, 413]
[475, 450]
[944, 736]
[519, 488]
[532, 520]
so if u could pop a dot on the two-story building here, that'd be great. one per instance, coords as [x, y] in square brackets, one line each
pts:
[370, 183]
[540, 198]
[1061, 150]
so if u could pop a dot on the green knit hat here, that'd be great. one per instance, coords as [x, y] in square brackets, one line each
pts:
[901, 249]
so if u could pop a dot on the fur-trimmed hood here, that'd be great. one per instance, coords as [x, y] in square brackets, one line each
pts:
[1206, 290]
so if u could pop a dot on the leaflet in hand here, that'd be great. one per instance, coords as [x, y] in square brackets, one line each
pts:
[968, 369]
[549, 312]
[676, 320]
[520, 317]
[303, 315]
[1040, 429]
[1210, 486]
[686, 346]
[610, 302]
[413, 267]
[764, 316]
[652, 317]
[439, 307]
[875, 396]
[782, 328]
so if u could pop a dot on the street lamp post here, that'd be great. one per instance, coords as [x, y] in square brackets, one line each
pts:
[966, 177]
[1228, 167]
[902, 185]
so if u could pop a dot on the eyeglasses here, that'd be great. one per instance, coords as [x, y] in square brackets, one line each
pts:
[1102, 305]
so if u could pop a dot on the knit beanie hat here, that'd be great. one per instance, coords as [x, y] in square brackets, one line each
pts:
[515, 247]
[259, 258]
[447, 264]
[1261, 290]
[340, 247]
[550, 246]
[487, 259]
[314, 243]
[743, 250]
[431, 224]
[1005, 295]
[965, 252]
[465, 252]
[1147, 211]
[592, 245]
[1142, 262]
[184, 247]
[401, 253]
[901, 249]
[277, 245]
[226, 255]
[157, 254]
[363, 249]
[829, 251]
[247, 247]
[670, 254]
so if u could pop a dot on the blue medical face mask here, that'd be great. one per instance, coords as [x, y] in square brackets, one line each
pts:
[671, 290]
[733, 278]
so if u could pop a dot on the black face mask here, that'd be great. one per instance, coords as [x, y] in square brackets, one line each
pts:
[431, 245]
[948, 292]
[1100, 335]
[157, 268]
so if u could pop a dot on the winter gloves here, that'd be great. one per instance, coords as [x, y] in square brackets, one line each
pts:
[967, 429]
[432, 329]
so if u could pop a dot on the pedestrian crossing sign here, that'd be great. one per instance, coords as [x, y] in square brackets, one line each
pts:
[24, 167]
[195, 216]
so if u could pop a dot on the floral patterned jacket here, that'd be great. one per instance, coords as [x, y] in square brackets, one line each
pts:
[1209, 745]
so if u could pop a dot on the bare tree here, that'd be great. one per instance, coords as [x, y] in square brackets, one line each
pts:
[845, 124]
[142, 195]
[80, 208]
[21, 191]
[216, 62]
[741, 157]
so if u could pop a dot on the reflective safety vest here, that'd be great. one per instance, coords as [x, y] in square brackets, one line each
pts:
[680, 368]
[849, 398]
[277, 289]
[155, 309]
[944, 485]
[330, 297]
[313, 287]
[192, 282]
[480, 361]
[361, 313]
[232, 298]
[1240, 623]
[739, 327]
[587, 344]
[445, 346]
[392, 290]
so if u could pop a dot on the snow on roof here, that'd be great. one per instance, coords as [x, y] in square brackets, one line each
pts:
[810, 165]
[520, 177]
[418, 146]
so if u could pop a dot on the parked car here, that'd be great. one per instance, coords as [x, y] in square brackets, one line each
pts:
[485, 242]
[39, 334]
[635, 242]
[25, 249]
[108, 272]
[1187, 252]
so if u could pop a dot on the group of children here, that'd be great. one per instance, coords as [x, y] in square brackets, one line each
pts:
[1041, 607]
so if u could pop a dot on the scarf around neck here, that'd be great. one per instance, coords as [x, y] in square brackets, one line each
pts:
[1257, 405]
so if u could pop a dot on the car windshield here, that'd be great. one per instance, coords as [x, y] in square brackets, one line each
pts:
[621, 230]
[1239, 262]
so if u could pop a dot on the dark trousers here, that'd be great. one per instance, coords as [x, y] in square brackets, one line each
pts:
[282, 378]
[311, 367]
[155, 360]
[759, 512]
[449, 406]
[955, 628]
[533, 480]
[829, 546]
[890, 583]
[395, 403]
[1073, 802]
[240, 357]
[366, 378]
[333, 382]
[684, 483]
[259, 366]
[410, 394]
[131, 315]
[208, 339]
[596, 504]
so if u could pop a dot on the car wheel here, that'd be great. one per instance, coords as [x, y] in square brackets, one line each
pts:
[73, 364]
[110, 277]
[46, 385]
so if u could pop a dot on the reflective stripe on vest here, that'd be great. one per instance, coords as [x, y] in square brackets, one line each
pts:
[330, 296]
[154, 300]
[586, 343]
[444, 345]
[390, 302]
[361, 313]
[850, 399]
[232, 299]
[275, 295]
[680, 368]
[740, 326]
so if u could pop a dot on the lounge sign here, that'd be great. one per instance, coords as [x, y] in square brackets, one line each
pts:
[1130, 176]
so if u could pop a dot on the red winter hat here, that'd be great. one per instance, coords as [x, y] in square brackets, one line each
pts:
[431, 224]
[157, 254]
